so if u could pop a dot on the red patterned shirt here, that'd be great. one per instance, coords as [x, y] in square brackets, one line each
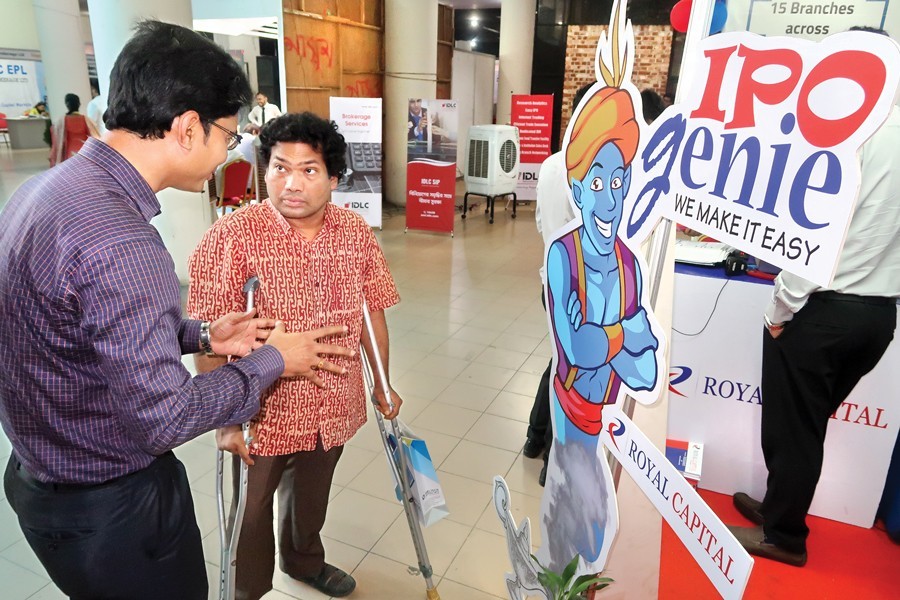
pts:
[306, 284]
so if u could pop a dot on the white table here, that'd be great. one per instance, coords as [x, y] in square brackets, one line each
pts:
[27, 132]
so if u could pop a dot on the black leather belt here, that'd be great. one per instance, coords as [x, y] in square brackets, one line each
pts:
[25, 476]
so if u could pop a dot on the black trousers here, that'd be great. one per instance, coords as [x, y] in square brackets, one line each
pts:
[303, 481]
[539, 427]
[135, 537]
[807, 372]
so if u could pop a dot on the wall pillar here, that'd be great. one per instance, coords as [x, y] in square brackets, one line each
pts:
[185, 216]
[62, 52]
[516, 53]
[410, 44]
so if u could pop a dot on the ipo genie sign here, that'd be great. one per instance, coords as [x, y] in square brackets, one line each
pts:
[762, 153]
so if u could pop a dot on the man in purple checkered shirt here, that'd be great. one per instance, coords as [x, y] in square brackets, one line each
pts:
[93, 394]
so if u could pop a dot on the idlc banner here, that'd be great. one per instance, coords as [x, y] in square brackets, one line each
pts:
[763, 155]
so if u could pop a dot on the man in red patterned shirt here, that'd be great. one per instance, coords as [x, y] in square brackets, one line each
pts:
[316, 263]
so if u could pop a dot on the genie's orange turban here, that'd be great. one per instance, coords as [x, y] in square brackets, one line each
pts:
[607, 116]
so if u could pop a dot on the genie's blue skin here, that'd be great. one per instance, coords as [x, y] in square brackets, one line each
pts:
[599, 196]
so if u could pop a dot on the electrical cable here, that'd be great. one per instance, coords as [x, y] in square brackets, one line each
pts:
[711, 313]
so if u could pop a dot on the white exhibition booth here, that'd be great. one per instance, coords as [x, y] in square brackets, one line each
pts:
[714, 399]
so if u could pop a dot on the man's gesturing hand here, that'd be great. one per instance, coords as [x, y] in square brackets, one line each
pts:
[304, 355]
[237, 333]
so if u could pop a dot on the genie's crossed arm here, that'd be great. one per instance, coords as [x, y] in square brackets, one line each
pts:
[587, 344]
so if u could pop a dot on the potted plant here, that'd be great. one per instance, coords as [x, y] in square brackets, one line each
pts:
[565, 586]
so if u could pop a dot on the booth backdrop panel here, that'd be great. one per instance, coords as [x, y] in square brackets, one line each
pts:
[332, 49]
[319, 7]
[353, 39]
[715, 399]
[315, 101]
[310, 52]
[444, 67]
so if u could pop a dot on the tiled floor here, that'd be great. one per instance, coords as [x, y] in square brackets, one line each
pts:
[468, 345]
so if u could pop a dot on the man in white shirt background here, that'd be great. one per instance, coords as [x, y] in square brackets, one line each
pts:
[552, 211]
[818, 343]
[261, 114]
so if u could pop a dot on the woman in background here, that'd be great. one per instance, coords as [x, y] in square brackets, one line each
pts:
[70, 132]
[38, 110]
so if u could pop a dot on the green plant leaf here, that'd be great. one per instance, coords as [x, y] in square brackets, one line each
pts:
[570, 569]
[584, 582]
[550, 580]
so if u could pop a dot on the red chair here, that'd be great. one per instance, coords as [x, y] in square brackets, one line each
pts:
[236, 182]
[4, 129]
[262, 192]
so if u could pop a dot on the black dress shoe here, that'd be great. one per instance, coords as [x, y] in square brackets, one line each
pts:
[542, 478]
[748, 507]
[331, 581]
[532, 448]
[753, 539]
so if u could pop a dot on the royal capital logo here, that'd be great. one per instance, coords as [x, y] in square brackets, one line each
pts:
[616, 429]
[679, 375]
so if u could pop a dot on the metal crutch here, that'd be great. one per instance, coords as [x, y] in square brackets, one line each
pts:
[400, 471]
[228, 537]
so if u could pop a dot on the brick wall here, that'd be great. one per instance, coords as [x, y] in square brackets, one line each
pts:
[650, 70]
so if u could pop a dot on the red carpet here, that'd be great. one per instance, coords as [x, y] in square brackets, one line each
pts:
[845, 562]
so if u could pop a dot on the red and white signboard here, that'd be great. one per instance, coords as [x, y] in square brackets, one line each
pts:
[533, 115]
[431, 165]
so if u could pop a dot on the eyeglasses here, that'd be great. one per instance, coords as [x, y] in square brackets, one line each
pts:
[234, 135]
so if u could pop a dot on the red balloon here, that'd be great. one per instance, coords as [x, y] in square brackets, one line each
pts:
[680, 15]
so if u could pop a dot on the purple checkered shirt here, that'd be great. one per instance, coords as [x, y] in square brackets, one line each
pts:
[91, 333]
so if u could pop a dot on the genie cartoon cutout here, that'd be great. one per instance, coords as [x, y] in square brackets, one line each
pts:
[606, 340]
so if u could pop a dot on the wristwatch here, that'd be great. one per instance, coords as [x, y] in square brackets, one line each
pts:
[205, 341]
[772, 326]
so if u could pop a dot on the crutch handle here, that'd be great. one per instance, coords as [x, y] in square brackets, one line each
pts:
[379, 364]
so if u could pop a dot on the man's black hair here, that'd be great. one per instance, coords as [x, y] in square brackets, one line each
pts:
[653, 105]
[73, 103]
[580, 94]
[320, 134]
[164, 71]
[868, 29]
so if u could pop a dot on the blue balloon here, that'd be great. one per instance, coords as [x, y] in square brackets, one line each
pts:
[719, 16]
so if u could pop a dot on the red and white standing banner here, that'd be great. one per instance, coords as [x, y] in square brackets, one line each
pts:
[431, 165]
[533, 115]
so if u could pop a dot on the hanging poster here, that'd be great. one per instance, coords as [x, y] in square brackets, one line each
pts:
[359, 121]
[533, 115]
[431, 164]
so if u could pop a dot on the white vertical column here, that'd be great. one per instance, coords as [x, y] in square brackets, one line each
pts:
[516, 50]
[185, 215]
[62, 52]
[113, 21]
[410, 49]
